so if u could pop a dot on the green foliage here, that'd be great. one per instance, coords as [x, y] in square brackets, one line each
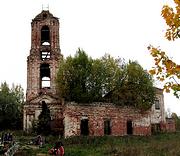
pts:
[83, 79]
[157, 145]
[43, 123]
[11, 104]
[72, 77]
[104, 75]
[136, 89]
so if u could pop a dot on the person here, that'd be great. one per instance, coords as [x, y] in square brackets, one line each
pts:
[57, 150]
[39, 140]
[61, 149]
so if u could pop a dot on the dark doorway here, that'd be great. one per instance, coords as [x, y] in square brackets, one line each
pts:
[107, 127]
[155, 128]
[57, 127]
[129, 127]
[84, 127]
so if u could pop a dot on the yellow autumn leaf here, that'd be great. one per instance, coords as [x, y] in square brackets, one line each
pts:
[168, 64]
[162, 54]
[177, 2]
[178, 68]
[159, 69]
[167, 90]
[152, 71]
[161, 79]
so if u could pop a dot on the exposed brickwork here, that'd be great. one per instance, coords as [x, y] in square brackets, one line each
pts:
[34, 59]
[97, 119]
[44, 53]
[170, 125]
[98, 112]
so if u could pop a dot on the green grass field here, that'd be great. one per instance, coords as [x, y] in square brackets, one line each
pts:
[156, 145]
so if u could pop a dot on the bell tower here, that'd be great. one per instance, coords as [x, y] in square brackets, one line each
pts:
[42, 63]
[42, 66]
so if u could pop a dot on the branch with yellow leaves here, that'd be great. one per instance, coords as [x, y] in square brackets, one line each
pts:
[165, 70]
[172, 19]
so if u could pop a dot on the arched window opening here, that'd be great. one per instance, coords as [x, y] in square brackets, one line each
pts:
[45, 43]
[157, 104]
[45, 55]
[45, 35]
[45, 76]
[45, 82]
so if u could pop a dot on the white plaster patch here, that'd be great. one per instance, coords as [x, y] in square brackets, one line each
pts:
[145, 121]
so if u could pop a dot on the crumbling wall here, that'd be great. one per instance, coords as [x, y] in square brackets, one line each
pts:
[170, 125]
[97, 113]
[158, 115]
[33, 109]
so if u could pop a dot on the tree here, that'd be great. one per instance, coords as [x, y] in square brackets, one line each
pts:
[72, 78]
[165, 69]
[105, 73]
[43, 123]
[11, 104]
[83, 79]
[135, 87]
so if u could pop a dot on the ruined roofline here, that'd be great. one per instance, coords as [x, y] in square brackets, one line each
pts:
[44, 15]
[99, 104]
[157, 91]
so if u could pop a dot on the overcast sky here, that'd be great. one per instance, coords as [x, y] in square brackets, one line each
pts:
[118, 27]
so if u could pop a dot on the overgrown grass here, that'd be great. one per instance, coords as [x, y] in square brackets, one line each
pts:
[156, 145]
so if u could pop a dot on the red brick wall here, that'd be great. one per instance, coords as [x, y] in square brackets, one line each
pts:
[34, 60]
[97, 113]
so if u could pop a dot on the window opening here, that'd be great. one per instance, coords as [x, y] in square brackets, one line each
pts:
[45, 82]
[45, 55]
[129, 127]
[45, 35]
[157, 105]
[107, 127]
[45, 76]
[84, 127]
[45, 43]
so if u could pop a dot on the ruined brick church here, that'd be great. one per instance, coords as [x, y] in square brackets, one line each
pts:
[96, 119]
